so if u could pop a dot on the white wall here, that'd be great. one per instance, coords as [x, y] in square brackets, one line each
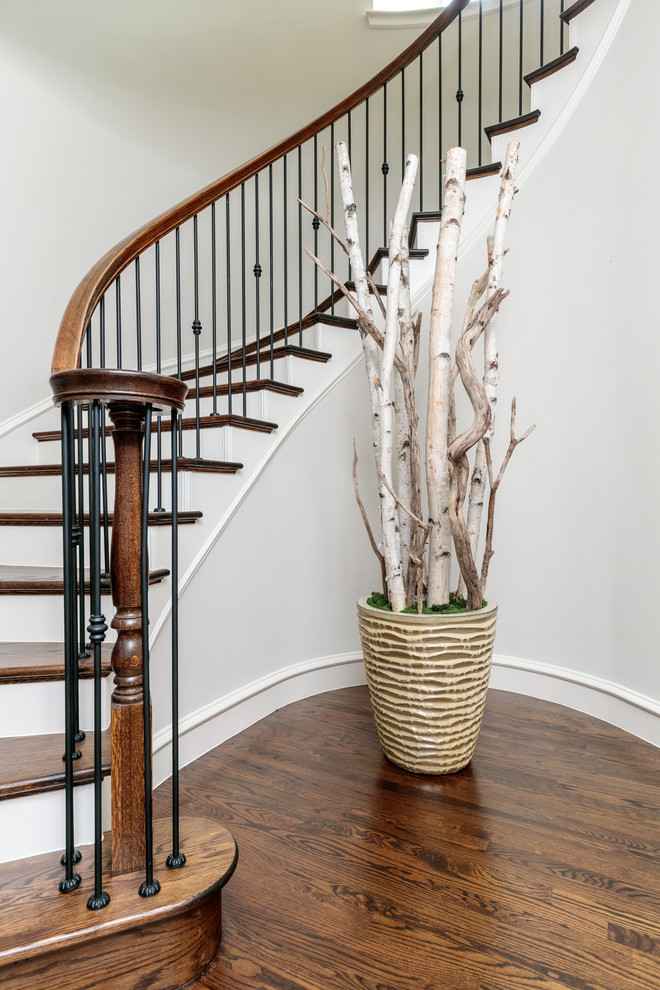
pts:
[578, 529]
[115, 110]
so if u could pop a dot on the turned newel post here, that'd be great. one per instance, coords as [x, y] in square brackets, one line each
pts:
[127, 724]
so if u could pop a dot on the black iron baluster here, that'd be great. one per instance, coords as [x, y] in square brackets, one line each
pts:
[97, 630]
[257, 274]
[104, 471]
[440, 148]
[159, 438]
[420, 172]
[196, 329]
[118, 317]
[459, 91]
[176, 858]
[270, 269]
[561, 29]
[500, 64]
[332, 215]
[285, 255]
[520, 59]
[403, 125]
[177, 279]
[138, 314]
[102, 331]
[228, 269]
[71, 880]
[316, 223]
[384, 167]
[83, 652]
[366, 185]
[481, 77]
[541, 62]
[214, 314]
[300, 247]
[243, 313]
[149, 886]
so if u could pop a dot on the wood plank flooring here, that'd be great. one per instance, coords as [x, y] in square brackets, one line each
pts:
[535, 868]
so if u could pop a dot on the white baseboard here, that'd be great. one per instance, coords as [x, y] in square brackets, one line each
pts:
[637, 713]
[211, 725]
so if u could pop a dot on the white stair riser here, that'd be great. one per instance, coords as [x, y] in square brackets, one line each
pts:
[30, 618]
[37, 708]
[34, 823]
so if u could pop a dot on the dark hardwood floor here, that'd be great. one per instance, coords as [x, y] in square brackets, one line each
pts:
[535, 868]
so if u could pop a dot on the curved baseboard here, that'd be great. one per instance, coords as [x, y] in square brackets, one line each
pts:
[637, 713]
[202, 730]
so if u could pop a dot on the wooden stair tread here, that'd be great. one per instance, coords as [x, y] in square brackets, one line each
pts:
[575, 9]
[106, 948]
[205, 423]
[284, 350]
[514, 124]
[254, 385]
[35, 517]
[428, 216]
[551, 67]
[483, 170]
[23, 663]
[20, 579]
[34, 764]
[382, 254]
[183, 464]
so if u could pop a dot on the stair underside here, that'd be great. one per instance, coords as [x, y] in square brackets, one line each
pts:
[50, 940]
[34, 764]
[200, 464]
[19, 580]
[23, 663]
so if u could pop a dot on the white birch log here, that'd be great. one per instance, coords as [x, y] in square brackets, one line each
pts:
[369, 346]
[403, 439]
[491, 358]
[437, 461]
[388, 505]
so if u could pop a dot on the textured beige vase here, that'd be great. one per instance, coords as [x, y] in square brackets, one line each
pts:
[428, 677]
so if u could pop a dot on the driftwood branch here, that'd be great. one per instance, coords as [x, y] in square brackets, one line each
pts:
[494, 485]
[483, 417]
[365, 520]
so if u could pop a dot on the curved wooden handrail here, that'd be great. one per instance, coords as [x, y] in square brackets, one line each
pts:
[98, 279]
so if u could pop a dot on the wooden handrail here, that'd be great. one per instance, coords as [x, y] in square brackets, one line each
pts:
[98, 279]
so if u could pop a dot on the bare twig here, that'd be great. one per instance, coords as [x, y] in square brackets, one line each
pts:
[326, 223]
[420, 522]
[494, 485]
[374, 546]
[375, 292]
[325, 183]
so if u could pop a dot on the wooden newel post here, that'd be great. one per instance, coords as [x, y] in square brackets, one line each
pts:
[127, 724]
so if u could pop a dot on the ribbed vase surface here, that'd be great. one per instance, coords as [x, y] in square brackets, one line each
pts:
[428, 676]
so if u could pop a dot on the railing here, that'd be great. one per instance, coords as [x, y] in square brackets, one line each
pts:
[229, 263]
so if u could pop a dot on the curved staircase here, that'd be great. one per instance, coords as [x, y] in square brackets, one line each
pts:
[268, 362]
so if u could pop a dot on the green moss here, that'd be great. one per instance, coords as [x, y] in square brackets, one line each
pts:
[378, 600]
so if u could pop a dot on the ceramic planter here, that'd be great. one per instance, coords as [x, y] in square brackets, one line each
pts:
[428, 676]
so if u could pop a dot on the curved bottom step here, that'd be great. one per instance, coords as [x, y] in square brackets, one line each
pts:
[52, 941]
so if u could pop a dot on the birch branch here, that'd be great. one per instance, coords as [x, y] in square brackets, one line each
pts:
[482, 422]
[496, 252]
[417, 558]
[389, 515]
[403, 438]
[437, 460]
[365, 520]
[494, 485]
